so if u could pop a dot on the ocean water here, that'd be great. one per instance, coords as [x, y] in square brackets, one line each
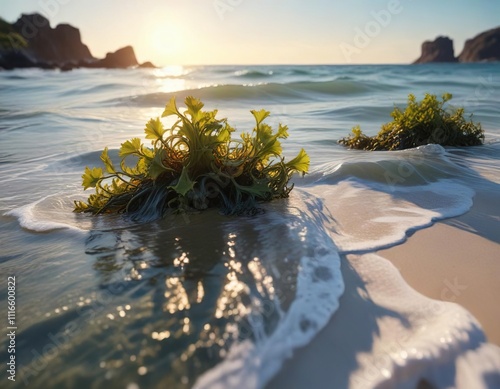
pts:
[205, 300]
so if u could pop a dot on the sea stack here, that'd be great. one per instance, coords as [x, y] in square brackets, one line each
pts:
[121, 58]
[439, 50]
[484, 47]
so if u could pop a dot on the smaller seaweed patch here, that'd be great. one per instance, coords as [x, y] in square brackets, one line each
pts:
[421, 123]
[195, 164]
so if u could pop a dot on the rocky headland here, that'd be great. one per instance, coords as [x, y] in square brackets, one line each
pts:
[32, 42]
[484, 47]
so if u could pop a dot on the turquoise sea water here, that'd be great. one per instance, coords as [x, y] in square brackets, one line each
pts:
[197, 298]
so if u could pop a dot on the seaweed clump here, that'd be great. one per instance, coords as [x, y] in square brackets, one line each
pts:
[193, 165]
[421, 123]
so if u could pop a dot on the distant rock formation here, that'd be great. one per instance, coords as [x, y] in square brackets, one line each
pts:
[483, 47]
[122, 58]
[147, 64]
[46, 47]
[439, 50]
[51, 45]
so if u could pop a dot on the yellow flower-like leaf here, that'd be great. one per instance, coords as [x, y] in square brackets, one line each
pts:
[194, 107]
[147, 152]
[108, 164]
[260, 115]
[132, 146]
[170, 108]
[264, 133]
[282, 131]
[80, 206]
[91, 177]
[300, 162]
[154, 129]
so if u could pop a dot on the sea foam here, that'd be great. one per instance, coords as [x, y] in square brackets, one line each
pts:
[28, 218]
[47, 214]
[438, 341]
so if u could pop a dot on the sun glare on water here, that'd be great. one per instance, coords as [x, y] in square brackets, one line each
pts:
[169, 78]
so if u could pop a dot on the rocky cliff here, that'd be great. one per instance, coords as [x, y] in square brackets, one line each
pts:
[32, 42]
[483, 47]
[51, 45]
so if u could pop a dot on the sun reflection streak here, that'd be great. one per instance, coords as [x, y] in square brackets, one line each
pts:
[170, 78]
[176, 296]
[263, 281]
[182, 260]
[201, 292]
[227, 303]
[238, 308]
[167, 85]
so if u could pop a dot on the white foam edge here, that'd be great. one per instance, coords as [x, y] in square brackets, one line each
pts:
[27, 219]
[252, 365]
[444, 344]
[461, 201]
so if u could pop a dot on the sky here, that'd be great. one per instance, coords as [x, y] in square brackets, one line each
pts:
[194, 32]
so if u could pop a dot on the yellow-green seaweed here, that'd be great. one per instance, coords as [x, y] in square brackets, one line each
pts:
[421, 123]
[195, 164]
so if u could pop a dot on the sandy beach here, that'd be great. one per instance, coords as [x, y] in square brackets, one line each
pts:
[453, 261]
[458, 260]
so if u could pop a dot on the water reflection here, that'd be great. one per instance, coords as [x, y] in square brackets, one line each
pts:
[173, 296]
[212, 281]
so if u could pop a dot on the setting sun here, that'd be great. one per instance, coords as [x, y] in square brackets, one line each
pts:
[165, 42]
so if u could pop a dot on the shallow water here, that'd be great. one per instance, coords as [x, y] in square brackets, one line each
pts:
[205, 298]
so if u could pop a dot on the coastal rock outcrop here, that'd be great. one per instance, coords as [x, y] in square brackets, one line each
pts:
[51, 45]
[147, 64]
[483, 47]
[439, 50]
[121, 58]
[32, 42]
